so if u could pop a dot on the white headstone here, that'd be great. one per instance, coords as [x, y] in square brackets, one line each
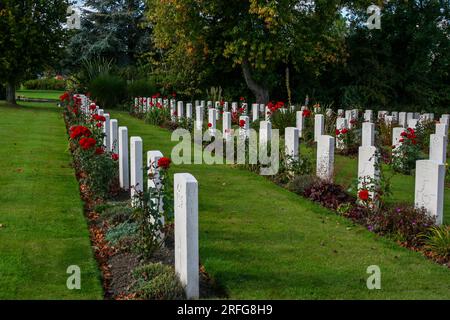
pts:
[368, 134]
[325, 157]
[136, 173]
[212, 120]
[244, 131]
[154, 182]
[412, 123]
[114, 132]
[226, 126]
[341, 123]
[442, 129]
[107, 132]
[402, 119]
[189, 110]
[265, 132]
[438, 148]
[255, 111]
[124, 166]
[186, 233]
[368, 115]
[291, 137]
[199, 117]
[319, 126]
[429, 188]
[368, 174]
[180, 110]
[300, 123]
[396, 136]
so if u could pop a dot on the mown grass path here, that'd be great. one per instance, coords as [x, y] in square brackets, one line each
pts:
[44, 230]
[262, 242]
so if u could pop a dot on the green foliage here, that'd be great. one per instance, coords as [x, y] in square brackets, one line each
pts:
[158, 116]
[438, 241]
[214, 94]
[115, 214]
[93, 68]
[405, 155]
[123, 231]
[31, 37]
[45, 84]
[108, 90]
[282, 120]
[142, 88]
[156, 281]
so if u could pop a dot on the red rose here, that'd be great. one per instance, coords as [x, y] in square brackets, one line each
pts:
[338, 132]
[99, 124]
[364, 195]
[92, 107]
[404, 134]
[115, 156]
[242, 98]
[401, 140]
[99, 151]
[79, 131]
[209, 125]
[242, 123]
[164, 163]
[306, 113]
[87, 143]
[344, 131]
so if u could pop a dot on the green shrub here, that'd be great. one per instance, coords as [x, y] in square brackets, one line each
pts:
[438, 241]
[125, 230]
[45, 84]
[117, 213]
[108, 90]
[156, 281]
[302, 182]
[142, 88]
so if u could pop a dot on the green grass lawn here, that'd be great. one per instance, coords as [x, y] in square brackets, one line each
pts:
[40, 94]
[262, 242]
[44, 230]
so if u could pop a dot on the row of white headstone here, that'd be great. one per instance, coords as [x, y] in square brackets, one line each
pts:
[131, 176]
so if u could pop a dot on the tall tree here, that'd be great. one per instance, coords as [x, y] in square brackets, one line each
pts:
[31, 38]
[258, 36]
[112, 29]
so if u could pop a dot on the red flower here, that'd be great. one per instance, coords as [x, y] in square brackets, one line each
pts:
[401, 140]
[363, 195]
[115, 156]
[99, 124]
[222, 103]
[79, 131]
[404, 134]
[242, 98]
[164, 163]
[99, 151]
[344, 131]
[306, 113]
[209, 125]
[242, 123]
[87, 143]
[174, 94]
[353, 121]
[92, 107]
[64, 97]
[99, 118]
[338, 132]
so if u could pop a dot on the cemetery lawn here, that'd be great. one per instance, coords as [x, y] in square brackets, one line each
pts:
[260, 241]
[43, 228]
[40, 94]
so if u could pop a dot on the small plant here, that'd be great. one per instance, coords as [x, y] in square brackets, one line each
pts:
[156, 281]
[438, 241]
[405, 155]
[121, 232]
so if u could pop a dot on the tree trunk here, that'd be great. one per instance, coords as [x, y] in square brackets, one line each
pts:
[11, 93]
[261, 93]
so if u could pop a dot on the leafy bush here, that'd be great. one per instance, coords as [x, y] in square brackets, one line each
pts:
[403, 223]
[438, 241]
[405, 155]
[142, 88]
[157, 116]
[45, 84]
[125, 230]
[93, 68]
[117, 213]
[156, 281]
[327, 194]
[282, 120]
[108, 91]
[300, 183]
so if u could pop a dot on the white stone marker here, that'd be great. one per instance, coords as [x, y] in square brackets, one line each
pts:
[396, 136]
[189, 110]
[291, 137]
[394, 116]
[367, 171]
[368, 134]
[107, 132]
[212, 121]
[234, 106]
[442, 129]
[341, 112]
[445, 119]
[267, 114]
[438, 148]
[409, 116]
[412, 123]
[341, 123]
[186, 233]
[136, 173]
[226, 126]
[265, 132]
[402, 119]
[255, 111]
[199, 118]
[368, 115]
[173, 110]
[180, 110]
[325, 158]
[429, 188]
[244, 131]
[124, 166]
[114, 132]
[319, 126]
[156, 183]
[300, 123]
